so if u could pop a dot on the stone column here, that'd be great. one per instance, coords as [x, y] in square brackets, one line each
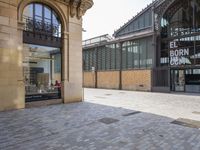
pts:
[11, 78]
[73, 62]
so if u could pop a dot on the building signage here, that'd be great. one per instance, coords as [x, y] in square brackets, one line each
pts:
[178, 56]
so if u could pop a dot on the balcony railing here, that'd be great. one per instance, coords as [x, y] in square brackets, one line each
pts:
[41, 32]
[41, 27]
[97, 40]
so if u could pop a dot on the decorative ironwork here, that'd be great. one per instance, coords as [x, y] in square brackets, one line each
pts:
[41, 27]
[41, 33]
[160, 10]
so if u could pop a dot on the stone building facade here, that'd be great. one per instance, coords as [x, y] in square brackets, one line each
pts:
[13, 38]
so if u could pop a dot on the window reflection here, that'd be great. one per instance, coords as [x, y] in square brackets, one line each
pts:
[38, 17]
[181, 23]
[42, 72]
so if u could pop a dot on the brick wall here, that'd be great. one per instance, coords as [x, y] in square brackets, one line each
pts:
[109, 79]
[138, 80]
[89, 79]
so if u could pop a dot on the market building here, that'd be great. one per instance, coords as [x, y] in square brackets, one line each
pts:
[157, 50]
[40, 51]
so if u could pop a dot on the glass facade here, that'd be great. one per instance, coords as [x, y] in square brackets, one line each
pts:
[137, 54]
[41, 63]
[42, 72]
[182, 27]
[180, 45]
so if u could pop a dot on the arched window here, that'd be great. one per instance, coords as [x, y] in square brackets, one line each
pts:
[43, 19]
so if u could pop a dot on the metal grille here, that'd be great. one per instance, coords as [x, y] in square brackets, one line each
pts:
[161, 77]
[134, 55]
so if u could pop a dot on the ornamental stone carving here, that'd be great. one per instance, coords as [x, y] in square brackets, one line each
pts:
[79, 7]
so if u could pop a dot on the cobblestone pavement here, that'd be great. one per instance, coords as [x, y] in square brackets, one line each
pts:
[173, 105]
[93, 126]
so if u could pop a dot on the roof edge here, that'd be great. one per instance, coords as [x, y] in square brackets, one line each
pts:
[136, 16]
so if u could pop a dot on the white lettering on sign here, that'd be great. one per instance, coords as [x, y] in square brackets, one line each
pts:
[178, 56]
[173, 45]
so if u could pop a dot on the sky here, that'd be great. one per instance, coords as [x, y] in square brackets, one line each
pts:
[106, 16]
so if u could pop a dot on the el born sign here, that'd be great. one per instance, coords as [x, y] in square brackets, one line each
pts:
[177, 55]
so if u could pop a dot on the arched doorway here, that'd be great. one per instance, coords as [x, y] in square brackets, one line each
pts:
[42, 57]
[180, 44]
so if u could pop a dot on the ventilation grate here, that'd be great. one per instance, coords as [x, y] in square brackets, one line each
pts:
[132, 113]
[108, 120]
[187, 123]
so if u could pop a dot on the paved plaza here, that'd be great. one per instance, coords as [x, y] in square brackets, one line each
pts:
[107, 120]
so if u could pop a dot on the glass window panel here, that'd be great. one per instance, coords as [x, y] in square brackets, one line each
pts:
[57, 63]
[38, 10]
[147, 19]
[143, 54]
[197, 55]
[108, 56]
[28, 11]
[118, 56]
[55, 19]
[136, 54]
[141, 22]
[47, 13]
[103, 59]
[136, 24]
[99, 58]
[130, 56]
[150, 53]
[124, 57]
[113, 57]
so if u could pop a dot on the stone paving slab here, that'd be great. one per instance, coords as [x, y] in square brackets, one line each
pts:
[172, 105]
[77, 127]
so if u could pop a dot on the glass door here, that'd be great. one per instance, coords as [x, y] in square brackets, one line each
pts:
[178, 80]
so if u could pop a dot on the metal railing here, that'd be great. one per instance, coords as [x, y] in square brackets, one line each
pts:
[41, 27]
[96, 40]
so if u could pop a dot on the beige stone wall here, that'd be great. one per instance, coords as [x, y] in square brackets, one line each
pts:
[11, 79]
[139, 80]
[89, 79]
[108, 79]
[74, 78]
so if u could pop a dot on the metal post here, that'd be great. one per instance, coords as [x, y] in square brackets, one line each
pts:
[120, 71]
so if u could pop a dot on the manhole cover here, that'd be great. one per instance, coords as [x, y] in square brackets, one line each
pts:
[132, 113]
[108, 120]
[187, 123]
